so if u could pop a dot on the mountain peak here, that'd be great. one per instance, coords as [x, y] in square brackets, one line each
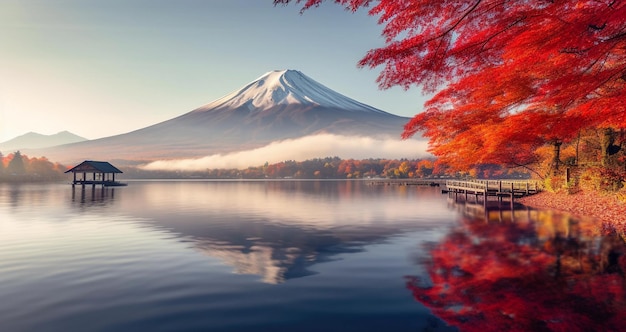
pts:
[33, 140]
[285, 87]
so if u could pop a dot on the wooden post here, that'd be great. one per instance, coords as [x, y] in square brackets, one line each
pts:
[512, 195]
[556, 160]
[486, 214]
[527, 189]
[485, 199]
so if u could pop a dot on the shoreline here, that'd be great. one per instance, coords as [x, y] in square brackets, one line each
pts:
[607, 210]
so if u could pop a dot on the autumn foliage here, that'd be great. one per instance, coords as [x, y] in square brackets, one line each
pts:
[16, 167]
[509, 77]
[549, 274]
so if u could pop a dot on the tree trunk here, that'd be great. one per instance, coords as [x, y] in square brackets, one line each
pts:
[557, 156]
[577, 148]
[608, 149]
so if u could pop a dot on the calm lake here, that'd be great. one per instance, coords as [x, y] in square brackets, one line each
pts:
[296, 256]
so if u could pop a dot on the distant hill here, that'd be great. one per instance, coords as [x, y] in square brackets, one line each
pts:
[280, 105]
[37, 141]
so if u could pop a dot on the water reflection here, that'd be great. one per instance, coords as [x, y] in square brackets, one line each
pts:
[161, 256]
[165, 253]
[16, 195]
[92, 195]
[280, 252]
[279, 230]
[318, 204]
[525, 270]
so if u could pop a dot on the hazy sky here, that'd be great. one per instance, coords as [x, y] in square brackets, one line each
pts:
[103, 67]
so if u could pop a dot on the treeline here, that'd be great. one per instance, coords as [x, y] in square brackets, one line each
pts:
[16, 167]
[328, 168]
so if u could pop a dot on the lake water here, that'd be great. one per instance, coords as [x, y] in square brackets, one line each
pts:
[296, 256]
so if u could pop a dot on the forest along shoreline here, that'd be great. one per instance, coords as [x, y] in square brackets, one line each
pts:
[608, 210]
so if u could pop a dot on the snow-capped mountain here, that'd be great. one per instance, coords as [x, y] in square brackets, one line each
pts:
[279, 105]
[286, 87]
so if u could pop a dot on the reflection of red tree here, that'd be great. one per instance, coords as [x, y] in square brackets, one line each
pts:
[488, 277]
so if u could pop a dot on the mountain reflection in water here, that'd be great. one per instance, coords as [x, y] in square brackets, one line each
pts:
[279, 229]
[525, 270]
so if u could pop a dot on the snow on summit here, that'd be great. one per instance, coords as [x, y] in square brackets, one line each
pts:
[284, 87]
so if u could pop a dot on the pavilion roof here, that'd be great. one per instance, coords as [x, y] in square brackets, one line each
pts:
[94, 166]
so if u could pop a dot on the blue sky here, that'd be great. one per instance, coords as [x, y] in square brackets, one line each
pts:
[101, 68]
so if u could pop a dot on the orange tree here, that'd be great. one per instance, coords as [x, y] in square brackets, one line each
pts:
[510, 76]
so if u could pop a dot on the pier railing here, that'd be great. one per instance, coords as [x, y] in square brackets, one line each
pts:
[467, 186]
[499, 188]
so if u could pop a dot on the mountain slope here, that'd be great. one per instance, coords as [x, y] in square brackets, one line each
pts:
[286, 87]
[278, 105]
[34, 141]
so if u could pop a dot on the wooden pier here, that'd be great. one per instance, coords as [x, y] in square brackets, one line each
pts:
[501, 189]
[408, 182]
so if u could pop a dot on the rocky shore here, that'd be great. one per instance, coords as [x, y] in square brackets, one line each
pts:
[608, 210]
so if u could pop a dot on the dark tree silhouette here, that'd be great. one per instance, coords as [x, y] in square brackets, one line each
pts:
[16, 164]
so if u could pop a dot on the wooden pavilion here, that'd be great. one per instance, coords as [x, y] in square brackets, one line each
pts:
[102, 173]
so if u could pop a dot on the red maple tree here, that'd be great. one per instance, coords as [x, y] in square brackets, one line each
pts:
[510, 76]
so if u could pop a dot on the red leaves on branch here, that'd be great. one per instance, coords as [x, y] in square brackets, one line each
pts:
[543, 69]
